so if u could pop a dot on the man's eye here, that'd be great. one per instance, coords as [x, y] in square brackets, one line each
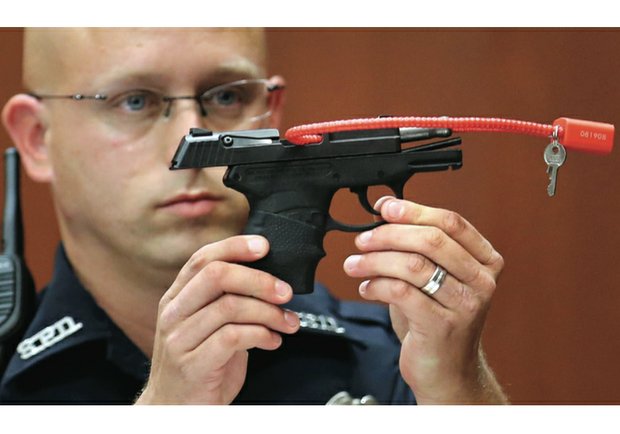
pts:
[227, 97]
[136, 102]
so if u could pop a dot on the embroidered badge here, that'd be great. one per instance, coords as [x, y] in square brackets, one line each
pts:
[47, 337]
[320, 322]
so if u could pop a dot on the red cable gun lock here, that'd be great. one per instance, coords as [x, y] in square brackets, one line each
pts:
[580, 135]
[290, 182]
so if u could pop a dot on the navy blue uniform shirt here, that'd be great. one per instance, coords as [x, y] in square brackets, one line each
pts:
[72, 352]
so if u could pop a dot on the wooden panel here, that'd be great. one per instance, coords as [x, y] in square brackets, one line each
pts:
[550, 332]
[41, 232]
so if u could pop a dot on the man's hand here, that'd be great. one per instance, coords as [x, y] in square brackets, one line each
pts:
[212, 314]
[441, 356]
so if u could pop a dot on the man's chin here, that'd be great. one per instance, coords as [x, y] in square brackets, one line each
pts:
[176, 250]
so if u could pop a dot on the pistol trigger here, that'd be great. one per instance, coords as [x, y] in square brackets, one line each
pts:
[398, 190]
[332, 224]
[362, 194]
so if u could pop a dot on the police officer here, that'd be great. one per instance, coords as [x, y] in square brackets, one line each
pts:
[151, 300]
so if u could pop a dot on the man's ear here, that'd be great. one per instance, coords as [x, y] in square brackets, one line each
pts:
[276, 102]
[22, 117]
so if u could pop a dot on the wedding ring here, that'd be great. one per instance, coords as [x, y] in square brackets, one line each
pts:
[434, 283]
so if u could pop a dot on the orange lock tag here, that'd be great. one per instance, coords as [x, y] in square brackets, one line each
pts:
[587, 136]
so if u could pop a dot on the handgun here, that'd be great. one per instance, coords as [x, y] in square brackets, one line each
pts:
[17, 292]
[289, 187]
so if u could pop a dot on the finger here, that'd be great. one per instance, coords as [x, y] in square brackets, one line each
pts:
[218, 278]
[232, 338]
[232, 309]
[415, 305]
[415, 270]
[428, 241]
[243, 248]
[454, 225]
[377, 207]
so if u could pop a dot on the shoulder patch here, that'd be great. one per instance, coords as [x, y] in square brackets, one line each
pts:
[47, 337]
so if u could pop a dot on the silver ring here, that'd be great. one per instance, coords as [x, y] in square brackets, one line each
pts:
[555, 133]
[435, 282]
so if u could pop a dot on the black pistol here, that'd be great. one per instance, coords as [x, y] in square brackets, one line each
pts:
[17, 293]
[290, 187]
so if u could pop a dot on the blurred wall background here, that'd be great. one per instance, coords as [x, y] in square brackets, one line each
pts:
[552, 332]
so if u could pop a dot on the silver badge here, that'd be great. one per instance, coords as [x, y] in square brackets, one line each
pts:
[343, 398]
[320, 322]
[47, 337]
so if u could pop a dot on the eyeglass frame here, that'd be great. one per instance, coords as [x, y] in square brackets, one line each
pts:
[169, 99]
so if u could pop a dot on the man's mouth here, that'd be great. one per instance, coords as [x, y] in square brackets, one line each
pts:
[191, 205]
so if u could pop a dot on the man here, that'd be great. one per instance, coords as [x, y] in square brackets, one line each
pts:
[152, 269]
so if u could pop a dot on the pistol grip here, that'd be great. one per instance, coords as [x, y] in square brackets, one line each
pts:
[295, 250]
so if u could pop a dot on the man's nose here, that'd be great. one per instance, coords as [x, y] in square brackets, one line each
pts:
[183, 115]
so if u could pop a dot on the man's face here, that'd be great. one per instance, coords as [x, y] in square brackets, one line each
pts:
[112, 185]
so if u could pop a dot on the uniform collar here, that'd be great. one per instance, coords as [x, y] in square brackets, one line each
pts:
[67, 317]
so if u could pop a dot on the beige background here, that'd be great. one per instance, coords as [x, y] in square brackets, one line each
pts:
[552, 333]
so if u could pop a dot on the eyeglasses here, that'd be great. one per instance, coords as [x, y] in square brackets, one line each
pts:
[225, 107]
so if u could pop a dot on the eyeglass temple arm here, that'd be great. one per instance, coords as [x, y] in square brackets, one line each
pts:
[77, 96]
